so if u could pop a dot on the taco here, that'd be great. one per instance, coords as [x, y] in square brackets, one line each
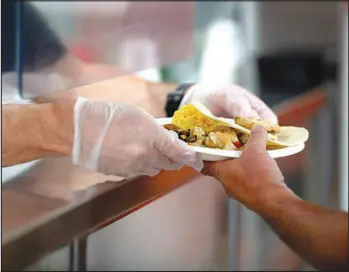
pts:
[197, 126]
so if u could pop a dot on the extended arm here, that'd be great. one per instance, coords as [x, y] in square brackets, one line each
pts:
[319, 235]
[131, 89]
[35, 131]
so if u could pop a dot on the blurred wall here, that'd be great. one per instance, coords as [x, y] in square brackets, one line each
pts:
[271, 26]
[297, 24]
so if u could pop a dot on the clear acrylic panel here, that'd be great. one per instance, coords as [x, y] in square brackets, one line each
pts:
[115, 38]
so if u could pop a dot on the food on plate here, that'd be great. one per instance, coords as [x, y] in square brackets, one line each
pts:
[197, 126]
[196, 136]
[249, 123]
[197, 129]
[189, 116]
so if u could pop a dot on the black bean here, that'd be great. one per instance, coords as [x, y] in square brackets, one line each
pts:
[192, 139]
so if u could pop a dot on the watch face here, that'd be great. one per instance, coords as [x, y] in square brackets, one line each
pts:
[177, 98]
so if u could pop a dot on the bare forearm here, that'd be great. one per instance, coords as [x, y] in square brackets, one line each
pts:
[318, 235]
[31, 132]
[158, 92]
[131, 89]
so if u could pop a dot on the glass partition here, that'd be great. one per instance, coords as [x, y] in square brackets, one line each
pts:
[60, 43]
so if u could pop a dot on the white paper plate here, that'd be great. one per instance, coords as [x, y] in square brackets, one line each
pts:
[214, 154]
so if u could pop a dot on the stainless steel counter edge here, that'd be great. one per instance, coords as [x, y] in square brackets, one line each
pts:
[24, 246]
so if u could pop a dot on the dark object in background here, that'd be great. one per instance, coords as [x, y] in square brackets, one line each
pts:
[290, 72]
[283, 75]
[27, 38]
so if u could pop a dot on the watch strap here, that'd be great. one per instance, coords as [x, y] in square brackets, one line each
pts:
[174, 98]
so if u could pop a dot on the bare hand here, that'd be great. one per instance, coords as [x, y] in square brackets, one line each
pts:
[252, 177]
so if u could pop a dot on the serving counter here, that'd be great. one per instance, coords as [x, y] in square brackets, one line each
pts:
[54, 223]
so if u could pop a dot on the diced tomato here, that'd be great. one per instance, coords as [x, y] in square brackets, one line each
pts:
[237, 144]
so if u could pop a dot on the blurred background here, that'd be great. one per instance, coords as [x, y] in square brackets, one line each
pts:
[280, 51]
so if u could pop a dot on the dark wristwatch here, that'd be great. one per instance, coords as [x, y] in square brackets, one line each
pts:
[174, 98]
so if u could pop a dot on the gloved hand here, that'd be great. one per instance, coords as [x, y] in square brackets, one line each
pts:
[123, 140]
[229, 101]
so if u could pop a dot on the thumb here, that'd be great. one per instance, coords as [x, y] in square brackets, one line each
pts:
[257, 140]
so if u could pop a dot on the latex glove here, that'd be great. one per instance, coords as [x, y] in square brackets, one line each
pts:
[123, 140]
[229, 101]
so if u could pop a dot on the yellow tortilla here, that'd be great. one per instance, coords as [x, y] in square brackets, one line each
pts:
[197, 114]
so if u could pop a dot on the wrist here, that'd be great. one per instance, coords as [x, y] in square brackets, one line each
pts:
[158, 93]
[274, 200]
[60, 127]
